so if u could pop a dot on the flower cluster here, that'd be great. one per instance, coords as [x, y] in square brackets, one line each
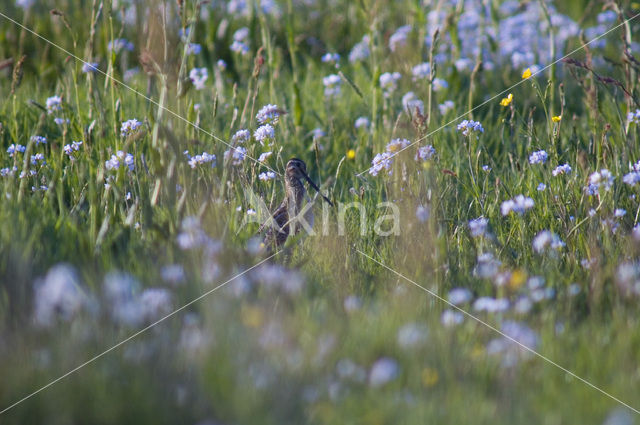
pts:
[268, 175]
[129, 127]
[241, 136]
[235, 155]
[333, 58]
[264, 156]
[54, 104]
[518, 205]
[469, 126]
[412, 104]
[538, 157]
[203, 158]
[360, 50]
[425, 153]
[71, 148]
[89, 67]
[546, 239]
[268, 114]
[332, 84]
[265, 134]
[421, 71]
[389, 82]
[362, 122]
[446, 106]
[599, 179]
[38, 140]
[13, 148]
[399, 38]
[478, 226]
[120, 44]
[561, 169]
[118, 159]
[240, 41]
[634, 117]
[198, 77]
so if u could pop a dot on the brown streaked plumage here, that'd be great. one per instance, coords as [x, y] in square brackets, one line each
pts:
[284, 216]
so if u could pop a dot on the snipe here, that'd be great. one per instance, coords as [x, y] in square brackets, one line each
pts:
[287, 214]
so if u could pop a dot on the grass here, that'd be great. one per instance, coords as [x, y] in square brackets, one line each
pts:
[319, 334]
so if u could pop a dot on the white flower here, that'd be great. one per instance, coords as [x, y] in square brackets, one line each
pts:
[241, 34]
[202, 158]
[411, 104]
[602, 178]
[265, 134]
[518, 205]
[269, 175]
[491, 305]
[446, 107]
[264, 156]
[459, 296]
[412, 335]
[451, 318]
[422, 213]
[360, 50]
[546, 239]
[619, 212]
[330, 58]
[469, 126]
[425, 153]
[89, 67]
[268, 114]
[561, 169]
[421, 71]
[381, 161]
[383, 371]
[632, 178]
[439, 84]
[389, 82]
[59, 294]
[332, 84]
[538, 157]
[362, 122]
[487, 266]
[634, 117]
[399, 38]
[235, 155]
[239, 47]
[241, 136]
[198, 77]
[478, 226]
[129, 127]
[54, 103]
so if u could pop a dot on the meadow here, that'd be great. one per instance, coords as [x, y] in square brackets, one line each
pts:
[480, 263]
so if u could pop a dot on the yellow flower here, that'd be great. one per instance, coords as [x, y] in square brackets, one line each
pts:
[518, 277]
[526, 74]
[507, 100]
[556, 119]
[429, 377]
[351, 154]
[252, 317]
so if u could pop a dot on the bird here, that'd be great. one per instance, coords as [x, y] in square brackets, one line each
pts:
[286, 215]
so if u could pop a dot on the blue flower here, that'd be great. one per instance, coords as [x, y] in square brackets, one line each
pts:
[129, 127]
[469, 126]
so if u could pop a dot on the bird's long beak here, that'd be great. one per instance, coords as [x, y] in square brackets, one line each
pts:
[316, 188]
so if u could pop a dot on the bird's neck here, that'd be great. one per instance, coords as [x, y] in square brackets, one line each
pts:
[294, 192]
